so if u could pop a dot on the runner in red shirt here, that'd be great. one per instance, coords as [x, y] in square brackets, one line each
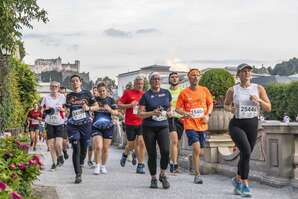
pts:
[133, 124]
[34, 117]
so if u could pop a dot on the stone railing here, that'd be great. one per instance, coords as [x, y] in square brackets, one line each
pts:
[274, 160]
[11, 132]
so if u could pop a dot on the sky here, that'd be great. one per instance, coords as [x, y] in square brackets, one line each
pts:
[116, 36]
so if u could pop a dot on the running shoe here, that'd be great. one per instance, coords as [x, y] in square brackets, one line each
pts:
[53, 167]
[134, 159]
[78, 179]
[171, 168]
[60, 161]
[123, 160]
[65, 154]
[103, 169]
[165, 183]
[97, 170]
[153, 184]
[90, 164]
[198, 180]
[140, 169]
[176, 169]
[237, 186]
[245, 191]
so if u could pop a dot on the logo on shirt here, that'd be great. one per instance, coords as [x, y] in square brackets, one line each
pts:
[162, 95]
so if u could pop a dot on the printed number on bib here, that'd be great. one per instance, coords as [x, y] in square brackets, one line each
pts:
[79, 114]
[246, 111]
[33, 121]
[53, 119]
[197, 112]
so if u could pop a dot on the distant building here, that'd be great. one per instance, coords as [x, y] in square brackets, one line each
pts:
[265, 81]
[125, 78]
[44, 65]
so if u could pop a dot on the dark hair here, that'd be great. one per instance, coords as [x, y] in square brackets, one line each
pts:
[101, 84]
[62, 87]
[78, 76]
[172, 73]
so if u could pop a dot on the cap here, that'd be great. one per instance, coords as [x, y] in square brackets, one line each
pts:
[151, 75]
[242, 66]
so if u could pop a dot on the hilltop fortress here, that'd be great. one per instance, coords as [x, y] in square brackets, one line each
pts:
[45, 65]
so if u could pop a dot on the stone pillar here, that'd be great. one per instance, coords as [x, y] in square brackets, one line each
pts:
[295, 161]
[216, 144]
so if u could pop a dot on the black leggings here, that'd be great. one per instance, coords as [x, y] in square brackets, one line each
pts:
[79, 148]
[159, 134]
[244, 133]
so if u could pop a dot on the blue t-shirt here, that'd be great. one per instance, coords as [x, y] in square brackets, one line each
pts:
[153, 100]
[74, 102]
[103, 118]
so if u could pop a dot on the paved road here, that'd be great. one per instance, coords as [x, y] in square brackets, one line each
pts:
[123, 183]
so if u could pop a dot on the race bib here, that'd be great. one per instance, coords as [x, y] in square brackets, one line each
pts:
[160, 118]
[33, 121]
[79, 114]
[246, 111]
[53, 119]
[197, 112]
[135, 110]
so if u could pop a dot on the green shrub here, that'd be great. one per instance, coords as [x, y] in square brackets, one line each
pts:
[18, 169]
[218, 81]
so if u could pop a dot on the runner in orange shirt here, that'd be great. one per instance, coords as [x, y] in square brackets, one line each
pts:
[195, 104]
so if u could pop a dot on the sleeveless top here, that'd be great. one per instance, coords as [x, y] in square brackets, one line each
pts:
[245, 108]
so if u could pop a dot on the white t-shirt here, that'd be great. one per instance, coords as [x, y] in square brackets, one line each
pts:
[59, 101]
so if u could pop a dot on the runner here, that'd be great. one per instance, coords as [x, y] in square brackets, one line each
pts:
[33, 117]
[155, 105]
[195, 104]
[79, 123]
[244, 101]
[102, 128]
[90, 145]
[62, 90]
[53, 108]
[133, 125]
[175, 123]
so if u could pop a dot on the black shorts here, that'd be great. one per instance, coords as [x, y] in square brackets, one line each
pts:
[55, 131]
[34, 128]
[133, 131]
[176, 125]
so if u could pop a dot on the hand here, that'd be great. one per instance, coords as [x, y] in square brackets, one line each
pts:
[60, 108]
[187, 115]
[107, 107]
[157, 112]
[170, 113]
[85, 107]
[255, 99]
[205, 118]
[134, 103]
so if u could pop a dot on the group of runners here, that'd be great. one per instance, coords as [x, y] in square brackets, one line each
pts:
[154, 119]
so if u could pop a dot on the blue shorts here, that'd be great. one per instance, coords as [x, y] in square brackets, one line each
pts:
[81, 132]
[105, 133]
[196, 136]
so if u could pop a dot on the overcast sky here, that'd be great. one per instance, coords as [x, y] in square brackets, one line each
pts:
[114, 36]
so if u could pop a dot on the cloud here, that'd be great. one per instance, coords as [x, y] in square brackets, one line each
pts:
[146, 31]
[112, 32]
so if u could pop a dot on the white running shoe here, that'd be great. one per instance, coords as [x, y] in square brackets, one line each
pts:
[97, 170]
[103, 169]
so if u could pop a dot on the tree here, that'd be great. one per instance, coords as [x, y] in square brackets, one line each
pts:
[218, 81]
[14, 15]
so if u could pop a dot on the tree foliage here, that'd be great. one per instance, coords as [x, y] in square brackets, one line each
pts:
[218, 81]
[14, 15]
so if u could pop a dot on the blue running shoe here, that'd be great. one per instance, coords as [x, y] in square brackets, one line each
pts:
[245, 191]
[141, 169]
[237, 186]
[123, 160]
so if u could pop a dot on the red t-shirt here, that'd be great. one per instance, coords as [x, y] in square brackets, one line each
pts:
[128, 97]
[33, 115]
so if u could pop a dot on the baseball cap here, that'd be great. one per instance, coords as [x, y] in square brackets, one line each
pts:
[242, 66]
[151, 75]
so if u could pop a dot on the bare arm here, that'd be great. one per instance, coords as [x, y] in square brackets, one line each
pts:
[229, 100]
[264, 99]
[125, 106]
[143, 114]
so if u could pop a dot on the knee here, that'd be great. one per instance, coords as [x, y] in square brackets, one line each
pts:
[105, 149]
[174, 142]
[165, 152]
[97, 148]
[245, 155]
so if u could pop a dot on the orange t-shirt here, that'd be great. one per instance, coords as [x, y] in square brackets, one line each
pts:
[196, 102]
